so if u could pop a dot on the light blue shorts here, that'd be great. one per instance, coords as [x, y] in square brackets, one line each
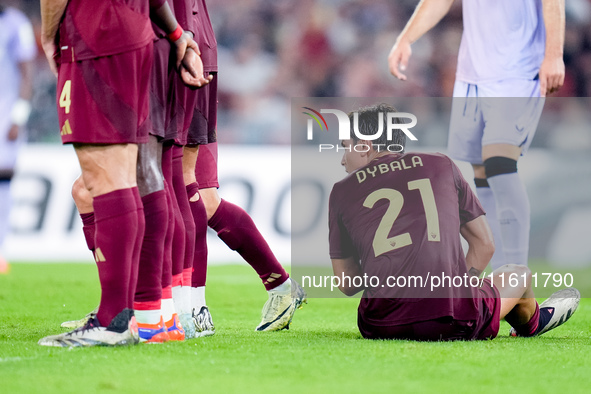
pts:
[502, 112]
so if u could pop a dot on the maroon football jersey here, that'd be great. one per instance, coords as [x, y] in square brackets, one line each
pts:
[92, 29]
[205, 36]
[400, 216]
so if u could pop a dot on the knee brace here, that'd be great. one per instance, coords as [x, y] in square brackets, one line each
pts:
[499, 165]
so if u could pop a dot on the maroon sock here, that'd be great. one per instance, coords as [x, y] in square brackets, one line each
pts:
[137, 248]
[88, 228]
[530, 328]
[199, 276]
[178, 238]
[116, 225]
[180, 192]
[235, 227]
[149, 284]
[167, 258]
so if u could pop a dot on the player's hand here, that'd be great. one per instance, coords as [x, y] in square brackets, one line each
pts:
[13, 132]
[398, 58]
[181, 46]
[49, 49]
[192, 60]
[551, 74]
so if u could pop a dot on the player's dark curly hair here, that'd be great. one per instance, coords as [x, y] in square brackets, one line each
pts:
[369, 122]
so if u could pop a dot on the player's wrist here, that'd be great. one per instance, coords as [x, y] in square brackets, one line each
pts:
[19, 115]
[176, 34]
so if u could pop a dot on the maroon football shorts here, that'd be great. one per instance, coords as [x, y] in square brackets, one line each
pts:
[203, 127]
[206, 170]
[106, 100]
[161, 90]
[485, 326]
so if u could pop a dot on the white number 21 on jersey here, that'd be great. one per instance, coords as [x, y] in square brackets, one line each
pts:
[381, 242]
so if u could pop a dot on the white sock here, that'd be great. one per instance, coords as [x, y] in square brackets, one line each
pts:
[198, 298]
[148, 316]
[185, 299]
[167, 309]
[513, 213]
[487, 199]
[282, 289]
[177, 298]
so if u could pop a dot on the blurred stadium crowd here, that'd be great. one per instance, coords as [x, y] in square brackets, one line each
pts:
[272, 50]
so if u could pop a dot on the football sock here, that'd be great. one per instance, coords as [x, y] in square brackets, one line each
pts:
[513, 210]
[116, 224]
[168, 241]
[487, 199]
[178, 240]
[180, 192]
[167, 303]
[237, 230]
[137, 247]
[148, 312]
[149, 284]
[186, 290]
[283, 289]
[176, 292]
[198, 298]
[88, 228]
[199, 275]
[531, 327]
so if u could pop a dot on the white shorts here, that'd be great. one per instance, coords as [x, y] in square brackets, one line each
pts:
[502, 112]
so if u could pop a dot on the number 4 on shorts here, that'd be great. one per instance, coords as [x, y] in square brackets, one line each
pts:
[65, 99]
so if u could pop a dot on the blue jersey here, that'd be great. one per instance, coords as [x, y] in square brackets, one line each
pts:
[502, 39]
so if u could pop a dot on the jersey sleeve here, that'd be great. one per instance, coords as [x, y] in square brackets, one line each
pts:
[469, 205]
[339, 240]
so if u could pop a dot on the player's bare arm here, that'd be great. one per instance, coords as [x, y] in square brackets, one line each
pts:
[193, 60]
[552, 69]
[51, 14]
[481, 246]
[181, 40]
[347, 267]
[427, 14]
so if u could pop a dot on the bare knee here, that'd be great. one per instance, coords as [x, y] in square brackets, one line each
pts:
[479, 171]
[149, 173]
[211, 200]
[107, 167]
[82, 197]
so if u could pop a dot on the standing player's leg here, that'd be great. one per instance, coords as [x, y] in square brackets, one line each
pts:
[237, 230]
[172, 293]
[183, 300]
[511, 112]
[83, 200]
[465, 143]
[105, 172]
[103, 113]
[511, 201]
[148, 294]
[200, 312]
[487, 199]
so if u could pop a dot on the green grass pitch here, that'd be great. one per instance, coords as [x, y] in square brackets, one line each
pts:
[321, 353]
